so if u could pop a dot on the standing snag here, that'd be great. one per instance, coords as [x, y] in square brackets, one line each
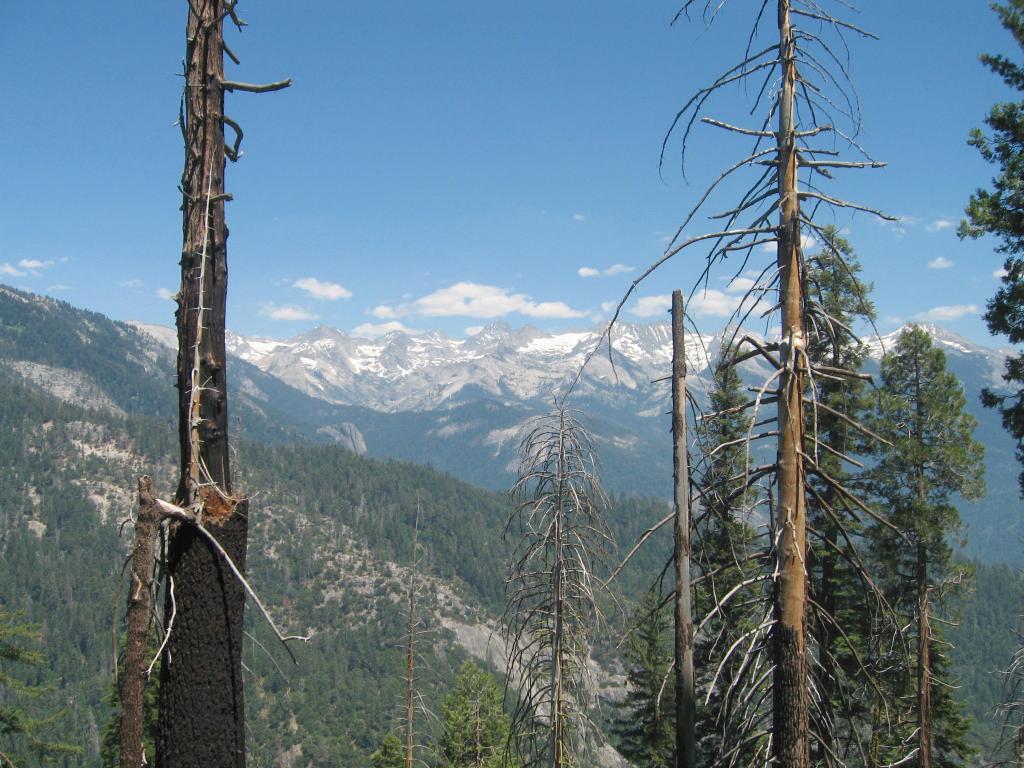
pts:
[800, 91]
[202, 713]
[559, 533]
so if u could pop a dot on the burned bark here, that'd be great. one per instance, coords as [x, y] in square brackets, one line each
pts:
[202, 720]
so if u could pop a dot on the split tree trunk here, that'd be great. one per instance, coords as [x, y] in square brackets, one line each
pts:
[140, 610]
[790, 743]
[686, 708]
[924, 663]
[202, 720]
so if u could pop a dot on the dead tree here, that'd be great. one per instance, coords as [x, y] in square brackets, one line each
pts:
[686, 707]
[202, 714]
[800, 90]
[413, 704]
[559, 532]
[139, 616]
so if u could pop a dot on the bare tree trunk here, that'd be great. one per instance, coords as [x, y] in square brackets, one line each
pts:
[410, 671]
[558, 756]
[790, 742]
[686, 708]
[924, 664]
[202, 719]
[140, 607]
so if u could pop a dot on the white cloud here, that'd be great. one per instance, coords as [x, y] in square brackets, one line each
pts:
[652, 306]
[713, 303]
[374, 330]
[133, 283]
[383, 312]
[467, 299]
[940, 262]
[939, 225]
[286, 312]
[166, 294]
[578, 217]
[35, 265]
[740, 285]
[614, 269]
[1000, 273]
[473, 330]
[617, 269]
[708, 303]
[608, 306]
[947, 313]
[322, 291]
[59, 287]
[807, 242]
[7, 269]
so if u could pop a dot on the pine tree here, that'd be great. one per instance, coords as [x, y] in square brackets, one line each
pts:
[726, 542]
[18, 727]
[997, 211]
[840, 615]
[390, 754]
[110, 747]
[644, 726]
[476, 728]
[932, 457]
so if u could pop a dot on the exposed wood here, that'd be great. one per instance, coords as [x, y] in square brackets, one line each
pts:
[686, 708]
[140, 607]
[924, 686]
[790, 742]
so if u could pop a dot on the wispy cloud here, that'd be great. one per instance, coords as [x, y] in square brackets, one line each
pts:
[7, 269]
[35, 266]
[466, 299]
[807, 243]
[166, 294]
[740, 285]
[614, 269]
[322, 290]
[940, 225]
[133, 283]
[940, 262]
[373, 330]
[579, 217]
[59, 288]
[286, 312]
[947, 313]
[1000, 273]
[708, 303]
[651, 306]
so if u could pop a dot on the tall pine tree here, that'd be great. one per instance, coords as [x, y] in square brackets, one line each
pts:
[644, 726]
[932, 458]
[841, 601]
[998, 211]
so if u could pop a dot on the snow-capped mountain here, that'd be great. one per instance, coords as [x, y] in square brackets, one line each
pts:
[403, 372]
[428, 371]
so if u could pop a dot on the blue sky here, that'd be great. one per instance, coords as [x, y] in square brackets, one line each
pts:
[449, 164]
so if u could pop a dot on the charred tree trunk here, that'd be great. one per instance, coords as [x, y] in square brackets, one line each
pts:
[686, 708]
[140, 608]
[790, 743]
[201, 720]
[924, 664]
